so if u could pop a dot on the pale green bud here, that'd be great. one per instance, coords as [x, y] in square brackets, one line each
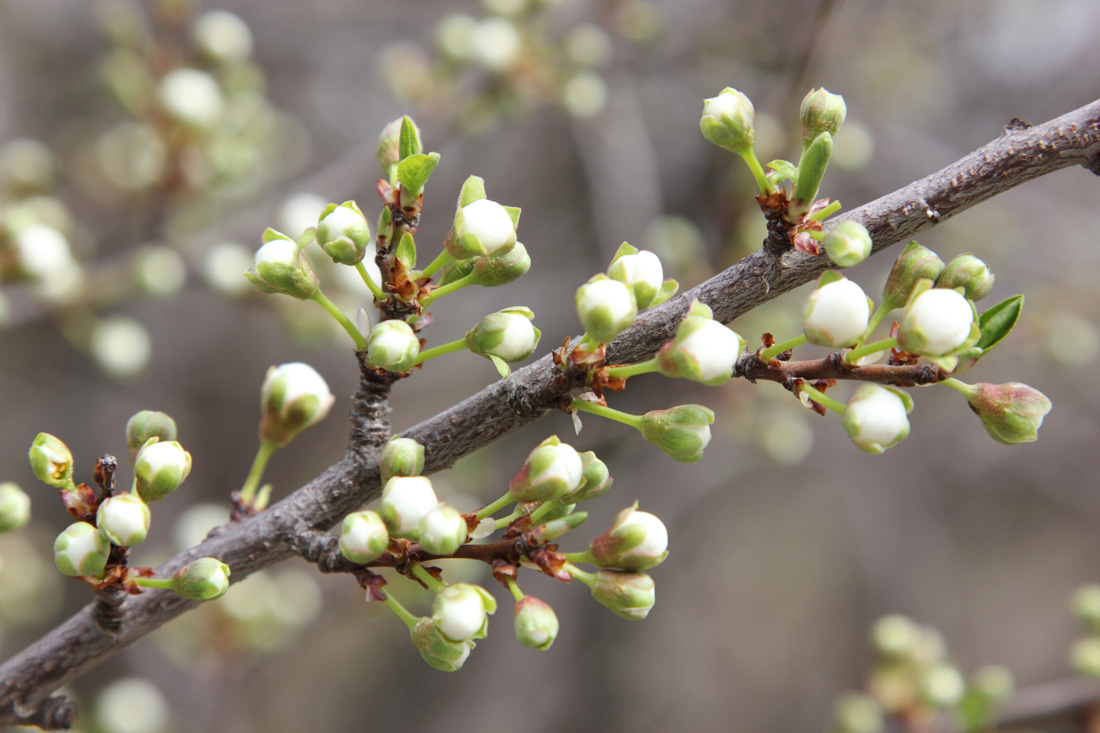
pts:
[159, 469]
[438, 651]
[81, 551]
[1011, 413]
[461, 611]
[401, 457]
[393, 346]
[293, 397]
[204, 579]
[847, 244]
[363, 537]
[681, 432]
[821, 112]
[606, 308]
[876, 417]
[641, 272]
[281, 268]
[51, 461]
[124, 519]
[15, 507]
[630, 595]
[343, 233]
[969, 273]
[388, 150]
[915, 263]
[1085, 604]
[489, 272]
[507, 334]
[482, 228]
[442, 530]
[405, 501]
[636, 541]
[536, 623]
[943, 685]
[148, 424]
[728, 120]
[704, 350]
[595, 482]
[552, 470]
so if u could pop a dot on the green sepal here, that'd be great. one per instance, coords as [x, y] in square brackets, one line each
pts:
[699, 310]
[456, 270]
[668, 288]
[410, 140]
[624, 249]
[811, 169]
[413, 172]
[785, 170]
[385, 226]
[406, 251]
[272, 234]
[829, 276]
[309, 236]
[473, 189]
[513, 214]
[501, 365]
[998, 321]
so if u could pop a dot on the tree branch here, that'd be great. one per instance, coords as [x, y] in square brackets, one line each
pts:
[78, 644]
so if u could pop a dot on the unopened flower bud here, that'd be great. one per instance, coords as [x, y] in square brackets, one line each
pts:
[606, 308]
[994, 683]
[81, 550]
[222, 36]
[343, 233]
[1085, 604]
[913, 264]
[630, 595]
[728, 121]
[281, 268]
[595, 482]
[552, 470]
[481, 228]
[461, 611]
[506, 334]
[159, 469]
[489, 272]
[704, 350]
[848, 243]
[148, 424]
[405, 501]
[388, 150]
[363, 537]
[551, 529]
[51, 461]
[858, 713]
[836, 313]
[393, 346]
[293, 397]
[895, 636]
[1011, 413]
[876, 417]
[442, 530]
[821, 112]
[123, 519]
[42, 251]
[201, 580]
[636, 541]
[969, 273]
[438, 651]
[641, 272]
[192, 97]
[937, 322]
[536, 623]
[943, 685]
[401, 457]
[682, 432]
[15, 507]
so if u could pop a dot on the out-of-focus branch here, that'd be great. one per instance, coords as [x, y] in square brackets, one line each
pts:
[1069, 704]
[28, 679]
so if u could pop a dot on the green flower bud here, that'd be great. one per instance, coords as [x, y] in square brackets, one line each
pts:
[442, 530]
[969, 273]
[293, 397]
[606, 308]
[937, 322]
[704, 350]
[405, 501]
[858, 713]
[393, 346]
[123, 519]
[388, 150]
[629, 594]
[489, 272]
[482, 228]
[821, 112]
[536, 623]
[914, 263]
[461, 611]
[506, 334]
[148, 424]
[636, 541]
[204, 579]
[728, 121]
[552, 470]
[438, 651]
[682, 432]
[15, 507]
[51, 461]
[159, 469]
[343, 233]
[401, 457]
[876, 417]
[1011, 413]
[81, 551]
[596, 479]
[363, 537]
[848, 243]
[281, 268]
[641, 272]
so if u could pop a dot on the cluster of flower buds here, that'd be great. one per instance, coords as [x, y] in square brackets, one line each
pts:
[608, 303]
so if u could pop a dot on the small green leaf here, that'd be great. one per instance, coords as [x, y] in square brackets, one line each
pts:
[406, 251]
[998, 322]
[472, 190]
[787, 170]
[668, 289]
[501, 365]
[811, 169]
[309, 236]
[410, 139]
[413, 172]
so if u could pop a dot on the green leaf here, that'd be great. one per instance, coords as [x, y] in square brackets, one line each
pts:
[787, 171]
[501, 365]
[406, 251]
[413, 172]
[998, 322]
[811, 169]
[473, 189]
[410, 139]
[668, 289]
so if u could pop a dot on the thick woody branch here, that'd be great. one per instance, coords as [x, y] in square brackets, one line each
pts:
[77, 645]
[833, 367]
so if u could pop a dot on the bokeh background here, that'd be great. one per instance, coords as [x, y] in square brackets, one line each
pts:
[786, 541]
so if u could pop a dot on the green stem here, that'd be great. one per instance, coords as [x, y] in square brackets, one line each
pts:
[259, 463]
[959, 386]
[543, 509]
[440, 350]
[876, 318]
[824, 400]
[630, 370]
[816, 235]
[773, 351]
[634, 421]
[826, 212]
[875, 346]
[165, 583]
[374, 289]
[433, 585]
[757, 171]
[447, 289]
[360, 342]
[586, 578]
[513, 588]
[400, 610]
[496, 506]
[505, 521]
[438, 262]
[578, 556]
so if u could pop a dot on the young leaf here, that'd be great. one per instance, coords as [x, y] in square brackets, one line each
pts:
[787, 171]
[410, 139]
[406, 251]
[413, 172]
[998, 321]
[473, 189]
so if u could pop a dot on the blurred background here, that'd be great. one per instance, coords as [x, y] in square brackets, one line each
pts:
[787, 542]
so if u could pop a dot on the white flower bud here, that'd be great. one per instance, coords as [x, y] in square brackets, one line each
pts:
[15, 507]
[535, 622]
[81, 550]
[436, 649]
[222, 266]
[42, 250]
[481, 228]
[636, 541]
[642, 273]
[343, 233]
[460, 611]
[836, 313]
[606, 308]
[936, 322]
[223, 36]
[552, 470]
[506, 334]
[704, 350]
[393, 346]
[191, 97]
[405, 501]
[496, 44]
[363, 537]
[121, 346]
[281, 268]
[442, 530]
[123, 519]
[875, 418]
[159, 469]
[728, 120]
[943, 685]
[293, 397]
